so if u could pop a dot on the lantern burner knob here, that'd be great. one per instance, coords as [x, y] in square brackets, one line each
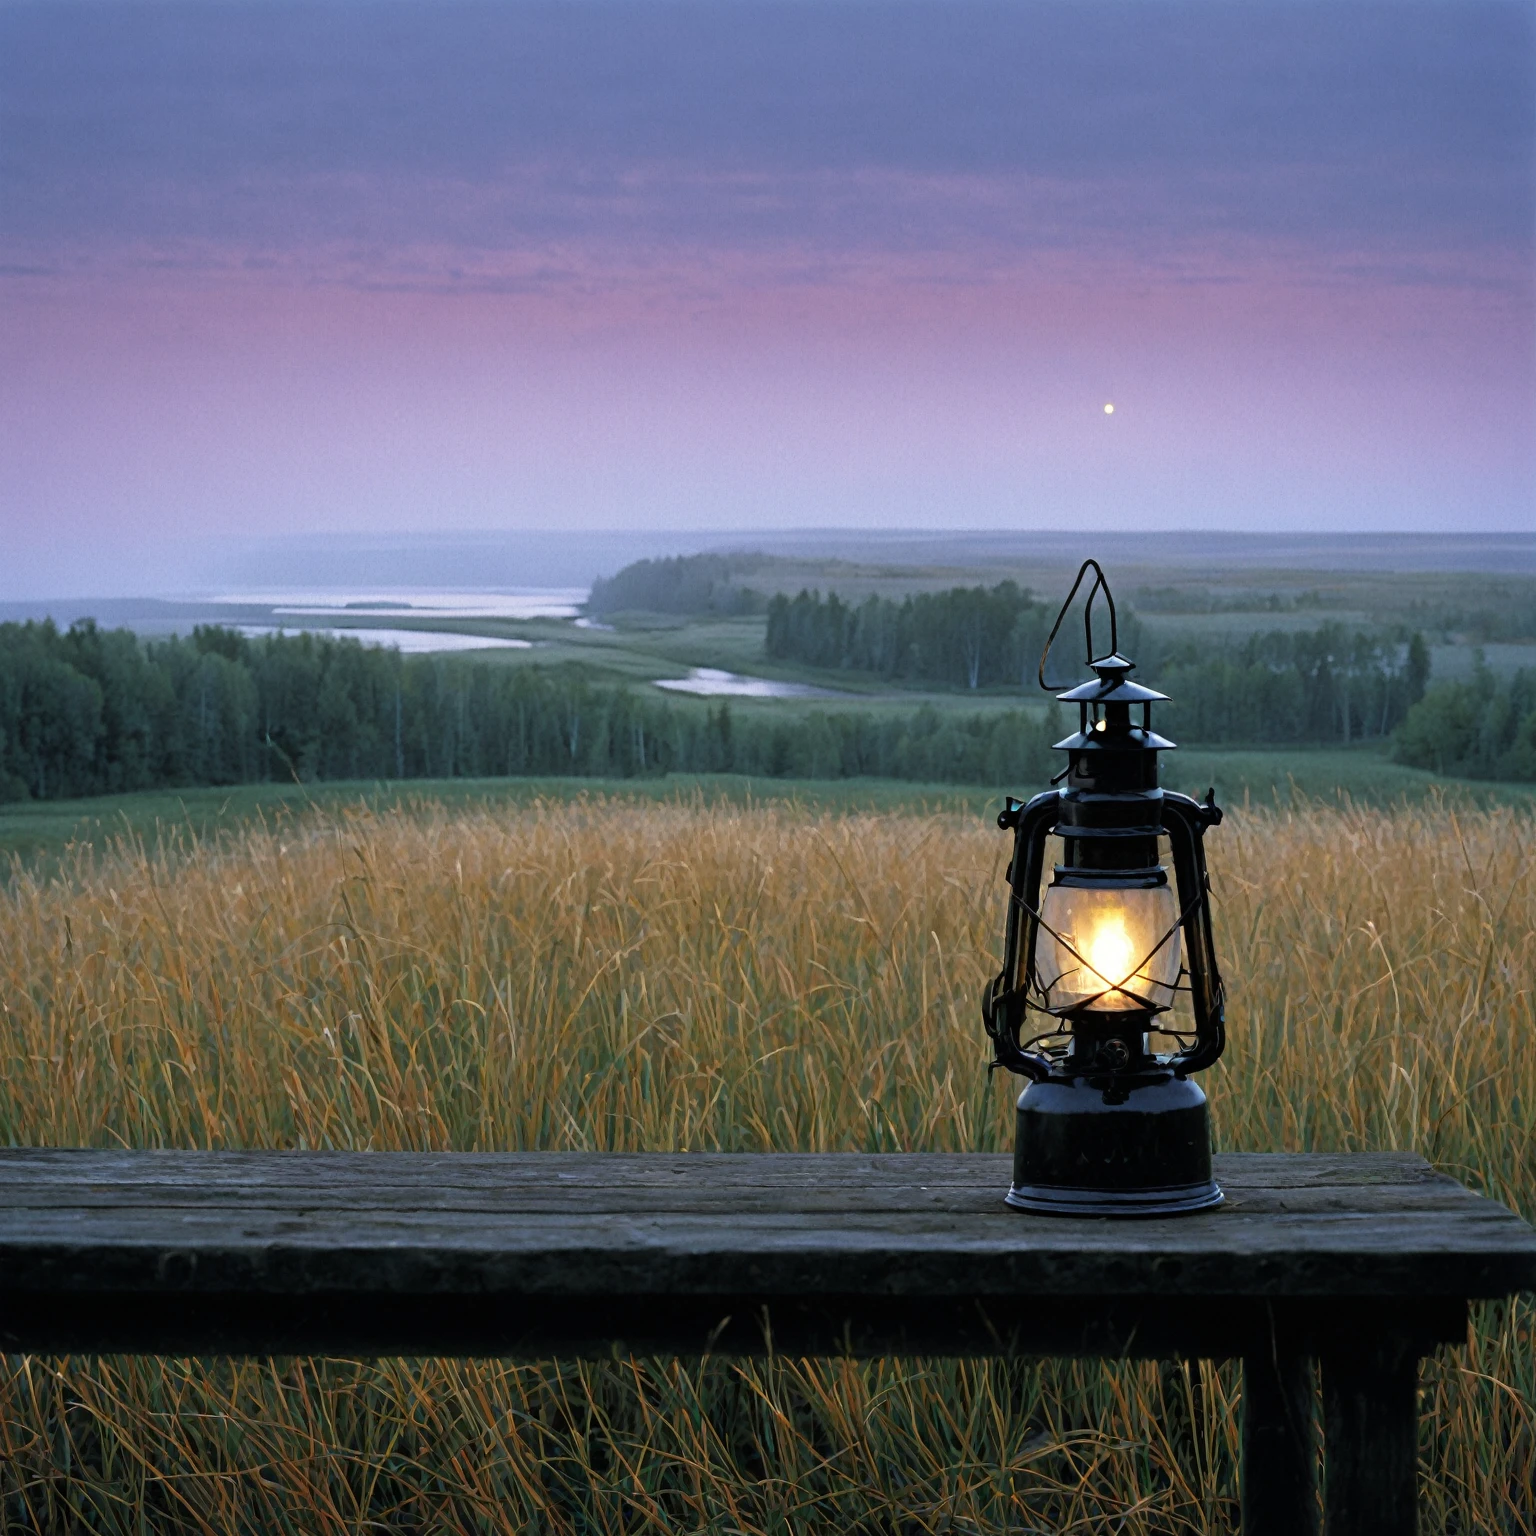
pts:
[1114, 1054]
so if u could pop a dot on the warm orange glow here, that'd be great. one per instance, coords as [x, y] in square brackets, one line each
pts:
[1107, 948]
[1110, 951]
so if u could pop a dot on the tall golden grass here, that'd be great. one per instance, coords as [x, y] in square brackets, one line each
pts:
[616, 975]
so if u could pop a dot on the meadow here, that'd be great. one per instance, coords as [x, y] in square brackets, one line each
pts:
[39, 833]
[618, 971]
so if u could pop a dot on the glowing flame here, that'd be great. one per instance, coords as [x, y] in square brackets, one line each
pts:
[1107, 948]
[1111, 952]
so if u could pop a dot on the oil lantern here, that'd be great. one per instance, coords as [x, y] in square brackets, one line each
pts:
[1108, 1124]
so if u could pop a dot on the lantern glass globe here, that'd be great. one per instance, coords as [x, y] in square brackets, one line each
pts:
[1108, 949]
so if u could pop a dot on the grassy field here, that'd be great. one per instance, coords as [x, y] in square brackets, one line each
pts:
[45, 829]
[713, 972]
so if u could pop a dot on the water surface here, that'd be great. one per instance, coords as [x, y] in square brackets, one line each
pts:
[710, 682]
[408, 641]
[416, 603]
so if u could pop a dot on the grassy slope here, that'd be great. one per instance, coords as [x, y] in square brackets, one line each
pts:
[37, 829]
[32, 830]
[1365, 775]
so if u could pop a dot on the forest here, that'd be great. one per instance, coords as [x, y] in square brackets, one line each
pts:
[1331, 685]
[1485, 729]
[967, 637]
[683, 584]
[1325, 686]
[90, 711]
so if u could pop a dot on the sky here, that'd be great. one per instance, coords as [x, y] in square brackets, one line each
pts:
[384, 265]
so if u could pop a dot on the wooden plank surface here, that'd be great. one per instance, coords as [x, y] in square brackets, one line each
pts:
[580, 1225]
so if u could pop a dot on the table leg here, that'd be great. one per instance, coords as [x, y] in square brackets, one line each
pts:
[1279, 1450]
[1371, 1444]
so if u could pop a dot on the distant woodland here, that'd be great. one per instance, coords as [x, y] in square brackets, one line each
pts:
[1328, 686]
[685, 584]
[89, 711]
[968, 637]
[1484, 729]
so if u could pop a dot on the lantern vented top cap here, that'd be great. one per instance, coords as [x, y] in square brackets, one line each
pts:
[1112, 686]
[1114, 662]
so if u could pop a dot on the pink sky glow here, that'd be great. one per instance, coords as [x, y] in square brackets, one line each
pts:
[567, 334]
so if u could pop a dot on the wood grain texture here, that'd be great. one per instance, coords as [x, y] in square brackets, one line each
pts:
[571, 1224]
[512, 1253]
[1370, 1423]
[1279, 1444]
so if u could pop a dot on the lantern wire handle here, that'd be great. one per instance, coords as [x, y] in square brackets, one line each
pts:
[1099, 585]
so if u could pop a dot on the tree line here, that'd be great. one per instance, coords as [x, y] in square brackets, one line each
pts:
[1482, 729]
[1329, 685]
[89, 711]
[1309, 687]
[966, 637]
[684, 584]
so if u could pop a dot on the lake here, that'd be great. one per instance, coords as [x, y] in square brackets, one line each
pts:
[426, 603]
[710, 682]
[408, 641]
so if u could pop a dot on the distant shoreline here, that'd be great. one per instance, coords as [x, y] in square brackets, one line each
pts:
[383, 567]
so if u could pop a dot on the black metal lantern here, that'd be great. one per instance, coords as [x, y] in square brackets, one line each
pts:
[1107, 1125]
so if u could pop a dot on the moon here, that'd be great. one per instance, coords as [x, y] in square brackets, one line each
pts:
[1109, 410]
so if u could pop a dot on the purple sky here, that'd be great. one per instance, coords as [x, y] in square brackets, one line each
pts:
[388, 265]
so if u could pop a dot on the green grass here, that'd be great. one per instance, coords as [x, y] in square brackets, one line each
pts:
[1365, 775]
[33, 830]
[39, 830]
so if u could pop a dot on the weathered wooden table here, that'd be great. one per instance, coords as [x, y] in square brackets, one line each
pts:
[1366, 1262]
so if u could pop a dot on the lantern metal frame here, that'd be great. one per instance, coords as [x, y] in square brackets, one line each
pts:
[1106, 1125]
